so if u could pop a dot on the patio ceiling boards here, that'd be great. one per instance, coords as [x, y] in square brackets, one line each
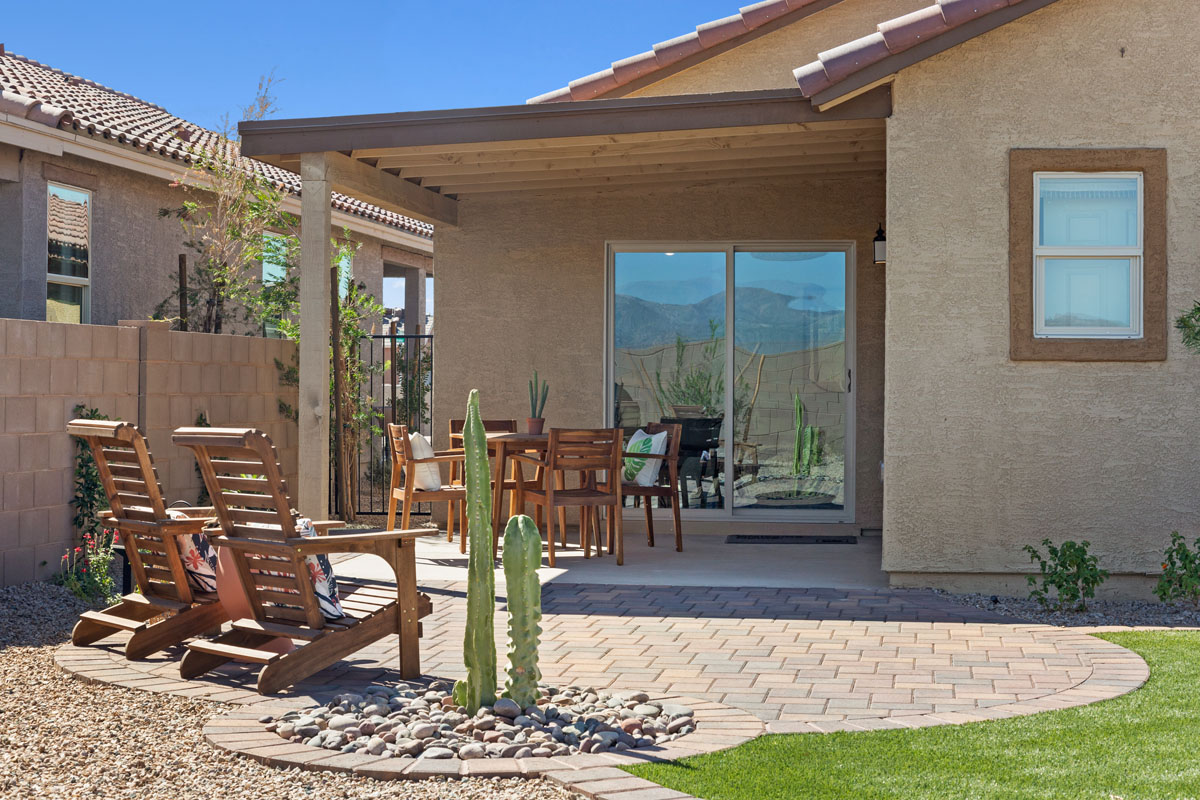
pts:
[418, 163]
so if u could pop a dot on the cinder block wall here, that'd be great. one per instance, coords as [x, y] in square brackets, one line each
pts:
[146, 374]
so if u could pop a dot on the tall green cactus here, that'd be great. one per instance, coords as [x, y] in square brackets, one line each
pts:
[522, 557]
[479, 643]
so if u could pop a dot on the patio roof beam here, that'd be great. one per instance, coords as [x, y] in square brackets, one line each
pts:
[659, 179]
[513, 179]
[356, 179]
[689, 144]
[427, 172]
[568, 120]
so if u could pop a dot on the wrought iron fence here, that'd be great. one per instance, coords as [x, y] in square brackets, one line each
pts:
[400, 390]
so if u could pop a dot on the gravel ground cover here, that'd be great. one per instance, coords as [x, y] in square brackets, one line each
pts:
[1100, 612]
[412, 719]
[62, 738]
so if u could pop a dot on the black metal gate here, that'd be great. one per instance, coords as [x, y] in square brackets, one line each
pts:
[400, 390]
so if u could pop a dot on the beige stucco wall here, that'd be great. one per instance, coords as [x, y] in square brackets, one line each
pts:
[157, 378]
[985, 455]
[135, 251]
[767, 61]
[521, 285]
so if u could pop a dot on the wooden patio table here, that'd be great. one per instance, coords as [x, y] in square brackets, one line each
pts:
[502, 445]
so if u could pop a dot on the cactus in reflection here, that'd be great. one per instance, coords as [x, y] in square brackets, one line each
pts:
[479, 643]
[522, 557]
[806, 448]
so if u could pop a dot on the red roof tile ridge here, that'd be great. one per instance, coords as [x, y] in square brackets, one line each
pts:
[664, 54]
[48, 96]
[891, 37]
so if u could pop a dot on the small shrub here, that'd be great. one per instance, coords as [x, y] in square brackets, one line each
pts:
[1069, 570]
[1180, 579]
[87, 570]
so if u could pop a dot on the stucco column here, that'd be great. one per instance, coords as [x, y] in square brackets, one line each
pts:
[316, 218]
[414, 300]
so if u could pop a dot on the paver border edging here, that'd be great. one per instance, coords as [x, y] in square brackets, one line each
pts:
[1115, 671]
[719, 727]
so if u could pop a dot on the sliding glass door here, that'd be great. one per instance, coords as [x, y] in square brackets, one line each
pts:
[749, 348]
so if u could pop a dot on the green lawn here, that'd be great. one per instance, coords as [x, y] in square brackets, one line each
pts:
[1141, 746]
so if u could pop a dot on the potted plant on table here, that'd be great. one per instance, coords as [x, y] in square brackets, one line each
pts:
[537, 404]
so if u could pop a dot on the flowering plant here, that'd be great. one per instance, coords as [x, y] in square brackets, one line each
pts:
[1180, 579]
[85, 569]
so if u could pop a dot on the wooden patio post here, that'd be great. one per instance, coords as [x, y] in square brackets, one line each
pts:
[316, 219]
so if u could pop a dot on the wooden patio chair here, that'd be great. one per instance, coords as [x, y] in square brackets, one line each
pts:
[668, 492]
[165, 610]
[588, 452]
[255, 517]
[408, 493]
[489, 426]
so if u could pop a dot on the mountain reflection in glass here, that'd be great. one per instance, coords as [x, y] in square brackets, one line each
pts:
[669, 359]
[789, 380]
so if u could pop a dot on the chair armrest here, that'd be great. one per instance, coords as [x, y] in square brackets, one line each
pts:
[660, 457]
[528, 459]
[453, 451]
[323, 527]
[353, 542]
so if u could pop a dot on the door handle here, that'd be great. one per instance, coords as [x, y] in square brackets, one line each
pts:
[849, 379]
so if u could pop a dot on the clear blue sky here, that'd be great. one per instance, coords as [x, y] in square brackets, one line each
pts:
[202, 60]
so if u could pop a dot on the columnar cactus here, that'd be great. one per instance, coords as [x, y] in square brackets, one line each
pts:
[522, 557]
[479, 644]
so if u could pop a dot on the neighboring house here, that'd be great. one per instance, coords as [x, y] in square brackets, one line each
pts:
[84, 172]
[691, 234]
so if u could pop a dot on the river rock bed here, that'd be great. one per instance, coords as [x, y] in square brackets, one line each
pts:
[413, 720]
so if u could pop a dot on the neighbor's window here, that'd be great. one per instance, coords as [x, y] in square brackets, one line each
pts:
[1087, 255]
[274, 269]
[68, 263]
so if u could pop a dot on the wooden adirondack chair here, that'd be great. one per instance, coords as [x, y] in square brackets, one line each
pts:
[241, 470]
[137, 511]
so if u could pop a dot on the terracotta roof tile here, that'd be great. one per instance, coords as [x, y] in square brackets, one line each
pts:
[67, 221]
[664, 54]
[891, 37]
[48, 96]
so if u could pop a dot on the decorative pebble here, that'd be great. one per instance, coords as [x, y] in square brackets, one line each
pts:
[424, 722]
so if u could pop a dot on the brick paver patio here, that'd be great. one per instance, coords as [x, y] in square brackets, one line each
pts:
[798, 659]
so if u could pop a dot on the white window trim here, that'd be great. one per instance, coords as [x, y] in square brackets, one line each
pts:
[85, 308]
[1135, 255]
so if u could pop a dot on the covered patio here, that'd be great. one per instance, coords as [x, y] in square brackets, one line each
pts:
[529, 205]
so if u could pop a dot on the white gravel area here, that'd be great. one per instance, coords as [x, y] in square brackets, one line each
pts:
[63, 738]
[1099, 612]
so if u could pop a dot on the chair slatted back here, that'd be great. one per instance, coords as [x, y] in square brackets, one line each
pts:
[585, 450]
[400, 446]
[240, 467]
[134, 494]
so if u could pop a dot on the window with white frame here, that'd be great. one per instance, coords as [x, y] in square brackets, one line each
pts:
[1088, 255]
[68, 262]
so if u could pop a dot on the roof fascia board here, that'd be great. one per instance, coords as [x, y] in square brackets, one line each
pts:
[20, 132]
[881, 70]
[651, 78]
[548, 121]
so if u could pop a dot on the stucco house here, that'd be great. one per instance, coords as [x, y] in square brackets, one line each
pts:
[84, 171]
[692, 234]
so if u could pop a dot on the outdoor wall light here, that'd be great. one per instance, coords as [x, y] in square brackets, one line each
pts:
[880, 246]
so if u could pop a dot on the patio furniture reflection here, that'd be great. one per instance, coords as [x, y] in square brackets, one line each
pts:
[699, 440]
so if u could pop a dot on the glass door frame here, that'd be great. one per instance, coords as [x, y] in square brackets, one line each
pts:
[846, 514]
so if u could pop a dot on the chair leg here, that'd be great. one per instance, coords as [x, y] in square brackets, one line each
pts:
[649, 522]
[678, 525]
[184, 625]
[86, 631]
[391, 523]
[406, 511]
[195, 663]
[585, 523]
[550, 534]
[462, 527]
[620, 534]
[449, 521]
[562, 510]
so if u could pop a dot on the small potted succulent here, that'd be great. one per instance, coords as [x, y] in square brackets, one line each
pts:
[537, 404]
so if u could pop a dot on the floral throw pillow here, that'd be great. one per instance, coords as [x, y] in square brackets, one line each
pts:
[324, 583]
[199, 557]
